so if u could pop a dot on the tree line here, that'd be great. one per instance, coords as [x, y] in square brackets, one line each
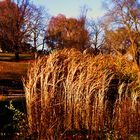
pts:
[21, 22]
[24, 26]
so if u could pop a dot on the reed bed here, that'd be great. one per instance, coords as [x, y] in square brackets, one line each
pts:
[73, 94]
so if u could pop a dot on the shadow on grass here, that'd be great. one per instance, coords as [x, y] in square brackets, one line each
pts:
[8, 57]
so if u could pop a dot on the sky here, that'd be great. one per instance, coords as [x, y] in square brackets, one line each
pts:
[71, 8]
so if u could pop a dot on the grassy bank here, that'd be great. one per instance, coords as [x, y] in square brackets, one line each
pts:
[9, 69]
[13, 70]
[11, 89]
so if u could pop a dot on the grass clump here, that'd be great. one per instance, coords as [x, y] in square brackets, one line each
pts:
[70, 93]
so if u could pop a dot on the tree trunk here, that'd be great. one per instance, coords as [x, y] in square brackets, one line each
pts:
[16, 55]
[35, 45]
[138, 58]
[35, 40]
[16, 52]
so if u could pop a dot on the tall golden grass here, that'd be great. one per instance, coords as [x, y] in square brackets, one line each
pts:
[68, 91]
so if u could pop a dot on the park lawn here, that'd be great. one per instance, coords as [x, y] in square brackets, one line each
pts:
[11, 56]
[10, 69]
[13, 70]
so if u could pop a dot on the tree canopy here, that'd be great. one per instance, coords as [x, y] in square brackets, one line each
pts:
[18, 21]
[22, 23]
[125, 14]
[66, 32]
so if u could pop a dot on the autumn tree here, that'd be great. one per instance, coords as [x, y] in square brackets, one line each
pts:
[117, 41]
[66, 32]
[126, 14]
[8, 10]
[18, 20]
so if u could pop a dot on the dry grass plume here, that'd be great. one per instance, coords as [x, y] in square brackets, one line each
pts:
[70, 92]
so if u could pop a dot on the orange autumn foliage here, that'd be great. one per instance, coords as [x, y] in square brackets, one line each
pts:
[66, 32]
